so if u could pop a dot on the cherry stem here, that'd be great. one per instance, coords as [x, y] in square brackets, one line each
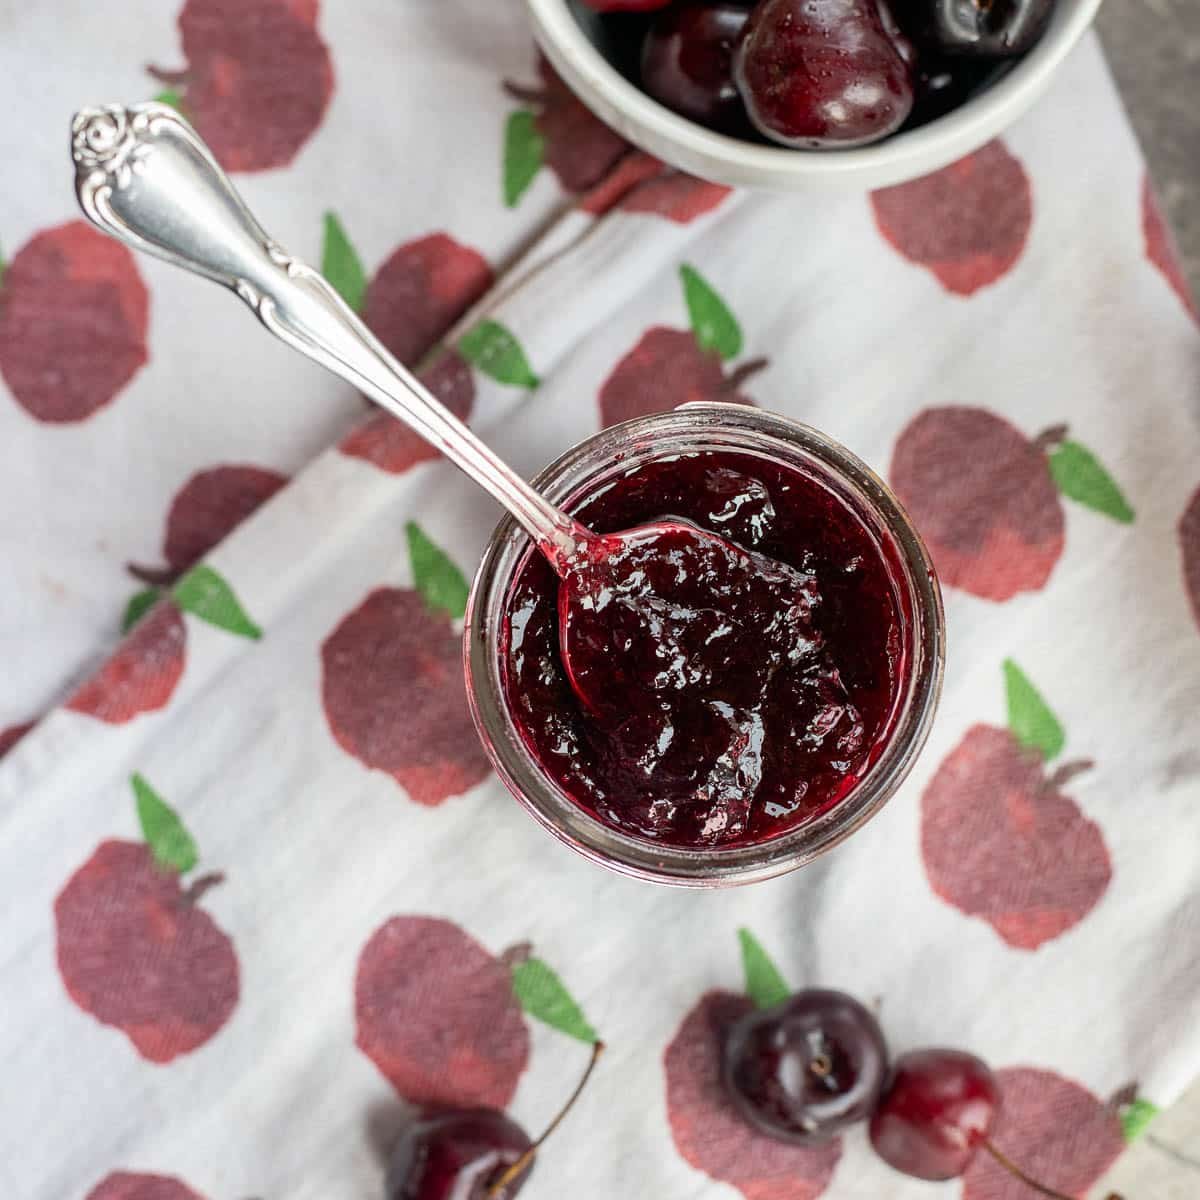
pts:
[1041, 1189]
[198, 887]
[1063, 775]
[522, 1164]
[527, 95]
[744, 372]
[517, 954]
[171, 78]
[155, 576]
[1048, 439]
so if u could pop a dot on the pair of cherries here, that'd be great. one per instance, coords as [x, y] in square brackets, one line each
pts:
[823, 74]
[806, 1069]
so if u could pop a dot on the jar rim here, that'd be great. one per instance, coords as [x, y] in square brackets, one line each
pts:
[696, 428]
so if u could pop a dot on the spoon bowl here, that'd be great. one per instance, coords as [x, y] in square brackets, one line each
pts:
[668, 610]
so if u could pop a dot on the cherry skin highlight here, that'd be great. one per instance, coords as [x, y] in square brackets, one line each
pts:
[990, 29]
[938, 1111]
[687, 62]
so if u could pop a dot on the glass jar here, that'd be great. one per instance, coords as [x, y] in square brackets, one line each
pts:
[571, 480]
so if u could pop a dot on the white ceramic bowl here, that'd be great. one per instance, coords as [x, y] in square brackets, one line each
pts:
[692, 148]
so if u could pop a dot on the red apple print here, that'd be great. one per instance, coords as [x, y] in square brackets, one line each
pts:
[421, 291]
[1000, 839]
[390, 445]
[436, 1013]
[205, 511]
[415, 298]
[676, 197]
[394, 697]
[257, 81]
[1058, 1132]
[669, 367]
[1161, 249]
[1189, 541]
[987, 499]
[124, 1185]
[142, 673]
[709, 1132]
[665, 369]
[73, 316]
[561, 133]
[12, 735]
[967, 223]
[983, 498]
[641, 184]
[136, 950]
[635, 168]
[392, 682]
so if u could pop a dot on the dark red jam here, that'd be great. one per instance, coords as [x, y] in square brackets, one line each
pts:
[727, 689]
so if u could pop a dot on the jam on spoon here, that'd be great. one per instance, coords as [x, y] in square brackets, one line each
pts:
[715, 675]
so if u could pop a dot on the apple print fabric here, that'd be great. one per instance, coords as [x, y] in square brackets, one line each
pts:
[261, 893]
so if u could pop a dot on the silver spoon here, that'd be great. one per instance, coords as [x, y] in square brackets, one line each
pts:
[144, 176]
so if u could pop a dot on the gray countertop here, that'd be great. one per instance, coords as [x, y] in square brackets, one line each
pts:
[1153, 47]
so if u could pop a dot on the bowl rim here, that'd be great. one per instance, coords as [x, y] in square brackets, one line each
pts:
[656, 129]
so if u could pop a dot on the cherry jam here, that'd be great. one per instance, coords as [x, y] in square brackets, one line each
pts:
[736, 688]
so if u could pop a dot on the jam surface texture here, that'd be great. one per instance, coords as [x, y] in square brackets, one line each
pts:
[721, 690]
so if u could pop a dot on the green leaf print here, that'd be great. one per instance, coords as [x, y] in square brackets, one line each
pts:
[764, 984]
[1029, 717]
[541, 994]
[204, 594]
[1135, 1117]
[3, 265]
[341, 265]
[140, 603]
[172, 98]
[1078, 474]
[712, 323]
[524, 152]
[165, 834]
[497, 354]
[441, 584]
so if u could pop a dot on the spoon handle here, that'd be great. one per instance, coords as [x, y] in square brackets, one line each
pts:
[143, 175]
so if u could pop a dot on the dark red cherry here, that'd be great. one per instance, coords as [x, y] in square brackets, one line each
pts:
[687, 62]
[944, 83]
[457, 1155]
[938, 1110]
[470, 1153]
[937, 1114]
[824, 73]
[805, 1069]
[983, 28]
